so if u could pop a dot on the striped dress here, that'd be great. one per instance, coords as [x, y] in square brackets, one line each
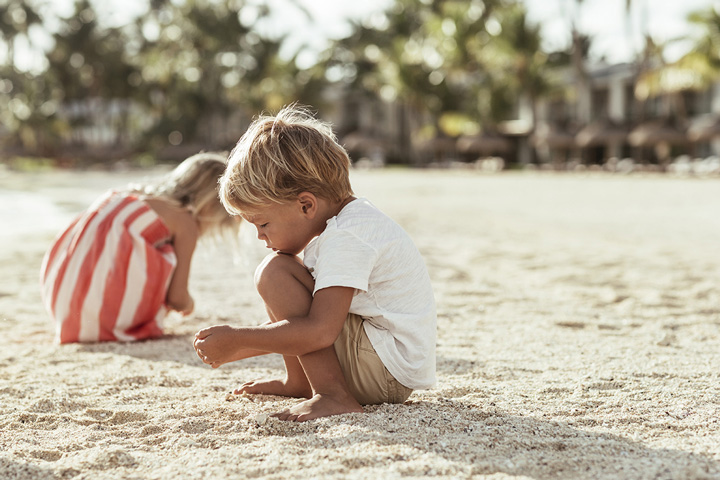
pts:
[106, 276]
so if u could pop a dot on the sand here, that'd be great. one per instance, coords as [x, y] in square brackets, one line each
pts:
[578, 337]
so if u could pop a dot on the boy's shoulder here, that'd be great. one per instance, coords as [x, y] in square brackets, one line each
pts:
[362, 220]
[361, 210]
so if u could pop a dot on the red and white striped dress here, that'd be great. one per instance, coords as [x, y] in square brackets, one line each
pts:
[106, 276]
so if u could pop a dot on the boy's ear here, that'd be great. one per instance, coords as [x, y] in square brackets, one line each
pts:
[308, 204]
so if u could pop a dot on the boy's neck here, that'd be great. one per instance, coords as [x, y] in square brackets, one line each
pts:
[332, 209]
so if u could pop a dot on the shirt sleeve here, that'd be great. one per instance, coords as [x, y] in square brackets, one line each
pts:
[343, 260]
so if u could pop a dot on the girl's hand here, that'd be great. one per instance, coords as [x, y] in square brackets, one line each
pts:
[185, 304]
[189, 308]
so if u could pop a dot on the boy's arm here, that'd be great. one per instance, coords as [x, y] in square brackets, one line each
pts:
[301, 335]
[294, 336]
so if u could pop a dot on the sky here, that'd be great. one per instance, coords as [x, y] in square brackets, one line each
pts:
[605, 21]
[615, 39]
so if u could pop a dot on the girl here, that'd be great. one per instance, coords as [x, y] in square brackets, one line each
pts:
[114, 273]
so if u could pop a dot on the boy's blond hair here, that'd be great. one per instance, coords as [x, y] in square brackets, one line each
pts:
[282, 156]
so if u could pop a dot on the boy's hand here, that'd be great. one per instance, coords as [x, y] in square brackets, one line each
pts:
[219, 344]
[207, 346]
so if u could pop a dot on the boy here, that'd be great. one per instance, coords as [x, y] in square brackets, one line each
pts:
[354, 318]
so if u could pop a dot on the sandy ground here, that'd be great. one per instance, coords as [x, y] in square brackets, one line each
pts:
[579, 337]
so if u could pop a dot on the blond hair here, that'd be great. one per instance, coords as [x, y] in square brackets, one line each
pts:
[193, 184]
[282, 156]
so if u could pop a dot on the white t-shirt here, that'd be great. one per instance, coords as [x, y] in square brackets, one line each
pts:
[363, 248]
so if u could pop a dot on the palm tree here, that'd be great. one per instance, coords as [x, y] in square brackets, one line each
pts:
[578, 57]
[518, 54]
[16, 18]
[88, 64]
[700, 67]
[23, 93]
[435, 59]
[204, 73]
[697, 70]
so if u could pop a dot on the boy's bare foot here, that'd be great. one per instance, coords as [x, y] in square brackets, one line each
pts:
[320, 405]
[279, 387]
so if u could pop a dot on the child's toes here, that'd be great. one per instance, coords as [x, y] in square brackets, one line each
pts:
[242, 388]
[282, 415]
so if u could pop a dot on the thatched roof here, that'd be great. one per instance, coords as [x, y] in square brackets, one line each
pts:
[486, 143]
[704, 128]
[363, 142]
[601, 133]
[653, 133]
[553, 137]
[438, 144]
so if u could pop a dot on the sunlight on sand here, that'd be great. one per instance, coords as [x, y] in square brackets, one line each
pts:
[578, 337]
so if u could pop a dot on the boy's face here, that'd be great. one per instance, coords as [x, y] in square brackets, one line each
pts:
[283, 227]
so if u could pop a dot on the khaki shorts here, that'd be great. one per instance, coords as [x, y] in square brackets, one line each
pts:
[365, 374]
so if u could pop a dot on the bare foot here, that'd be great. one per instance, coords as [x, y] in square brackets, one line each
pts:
[280, 387]
[320, 405]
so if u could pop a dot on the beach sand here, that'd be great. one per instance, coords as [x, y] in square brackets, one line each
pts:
[578, 337]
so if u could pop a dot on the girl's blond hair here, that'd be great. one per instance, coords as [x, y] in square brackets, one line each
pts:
[279, 157]
[193, 184]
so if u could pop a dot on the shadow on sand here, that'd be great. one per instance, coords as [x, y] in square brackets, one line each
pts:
[172, 348]
[464, 437]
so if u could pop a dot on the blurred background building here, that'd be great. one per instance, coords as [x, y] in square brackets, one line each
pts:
[423, 83]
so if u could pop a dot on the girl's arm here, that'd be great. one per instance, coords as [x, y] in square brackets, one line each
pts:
[185, 232]
[184, 242]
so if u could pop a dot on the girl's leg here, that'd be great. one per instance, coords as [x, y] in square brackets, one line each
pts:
[286, 288]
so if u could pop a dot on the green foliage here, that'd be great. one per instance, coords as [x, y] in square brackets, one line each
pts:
[452, 59]
[30, 164]
[696, 70]
[191, 73]
[179, 74]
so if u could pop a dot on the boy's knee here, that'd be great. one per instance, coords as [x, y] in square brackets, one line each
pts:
[276, 267]
[271, 265]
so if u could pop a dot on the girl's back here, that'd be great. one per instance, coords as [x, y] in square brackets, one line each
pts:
[116, 271]
[106, 276]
